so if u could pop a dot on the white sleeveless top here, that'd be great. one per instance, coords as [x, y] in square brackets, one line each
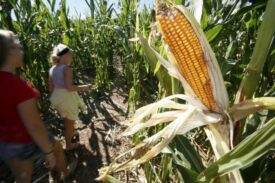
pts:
[57, 75]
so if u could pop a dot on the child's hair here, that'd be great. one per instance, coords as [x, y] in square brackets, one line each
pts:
[7, 41]
[58, 52]
[54, 59]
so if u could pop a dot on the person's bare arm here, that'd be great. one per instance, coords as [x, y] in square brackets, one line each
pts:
[30, 117]
[68, 77]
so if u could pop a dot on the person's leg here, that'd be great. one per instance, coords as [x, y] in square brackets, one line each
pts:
[61, 164]
[69, 132]
[22, 170]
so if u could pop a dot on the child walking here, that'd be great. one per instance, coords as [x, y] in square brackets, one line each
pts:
[64, 97]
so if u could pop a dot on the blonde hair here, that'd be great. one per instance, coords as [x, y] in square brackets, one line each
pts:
[7, 41]
[55, 57]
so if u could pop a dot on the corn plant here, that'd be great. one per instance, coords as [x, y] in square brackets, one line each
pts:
[193, 62]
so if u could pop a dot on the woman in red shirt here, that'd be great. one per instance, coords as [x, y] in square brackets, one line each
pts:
[22, 133]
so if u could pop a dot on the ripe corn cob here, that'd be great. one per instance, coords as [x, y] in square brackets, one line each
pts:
[184, 44]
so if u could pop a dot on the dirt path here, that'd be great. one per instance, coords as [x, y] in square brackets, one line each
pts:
[98, 133]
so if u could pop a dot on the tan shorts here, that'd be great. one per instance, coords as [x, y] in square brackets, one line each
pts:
[67, 103]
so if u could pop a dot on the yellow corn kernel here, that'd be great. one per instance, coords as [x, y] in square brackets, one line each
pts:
[184, 44]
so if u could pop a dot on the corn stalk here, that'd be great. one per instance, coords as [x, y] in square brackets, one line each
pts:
[255, 67]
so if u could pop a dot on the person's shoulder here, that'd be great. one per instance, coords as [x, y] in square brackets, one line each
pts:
[17, 84]
[67, 67]
[7, 75]
[9, 81]
[20, 81]
[27, 91]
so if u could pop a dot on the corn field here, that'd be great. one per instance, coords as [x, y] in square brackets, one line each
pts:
[199, 76]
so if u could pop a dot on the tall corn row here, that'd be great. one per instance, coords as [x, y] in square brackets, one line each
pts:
[135, 68]
[40, 25]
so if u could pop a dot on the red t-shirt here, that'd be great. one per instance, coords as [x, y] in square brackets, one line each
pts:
[13, 91]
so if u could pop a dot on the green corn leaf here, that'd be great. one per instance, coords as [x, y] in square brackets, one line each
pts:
[204, 19]
[179, 2]
[157, 67]
[166, 167]
[161, 73]
[250, 149]
[213, 33]
[186, 159]
[183, 147]
[187, 175]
